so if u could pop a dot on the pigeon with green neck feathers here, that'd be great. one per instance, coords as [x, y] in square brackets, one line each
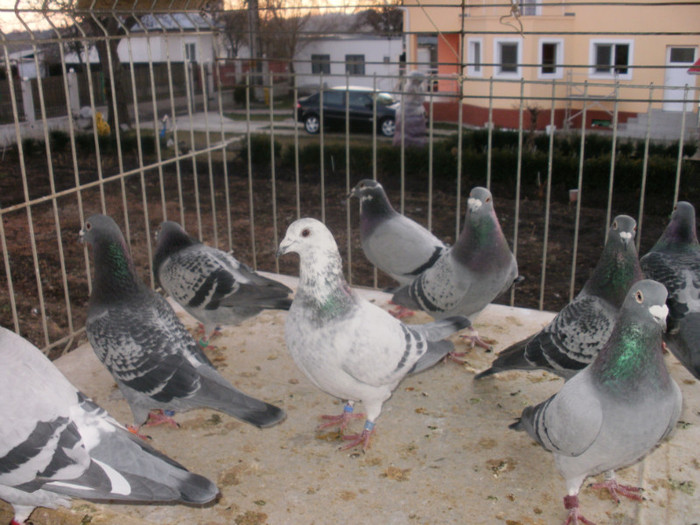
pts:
[573, 338]
[472, 273]
[613, 412]
[153, 358]
[674, 261]
[347, 346]
[391, 241]
[56, 444]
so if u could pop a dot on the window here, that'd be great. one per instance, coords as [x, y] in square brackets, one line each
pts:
[474, 67]
[529, 7]
[611, 59]
[321, 64]
[507, 57]
[355, 64]
[333, 98]
[360, 100]
[683, 55]
[191, 52]
[551, 58]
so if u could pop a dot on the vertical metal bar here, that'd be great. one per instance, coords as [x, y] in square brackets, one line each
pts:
[348, 209]
[18, 137]
[297, 171]
[322, 150]
[430, 158]
[251, 202]
[460, 139]
[489, 148]
[189, 97]
[518, 178]
[402, 105]
[548, 196]
[273, 173]
[645, 169]
[375, 276]
[207, 142]
[577, 222]
[613, 158]
[681, 140]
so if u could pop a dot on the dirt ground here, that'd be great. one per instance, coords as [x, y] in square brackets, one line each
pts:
[206, 192]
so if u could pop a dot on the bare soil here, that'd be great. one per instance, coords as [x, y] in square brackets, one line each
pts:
[204, 192]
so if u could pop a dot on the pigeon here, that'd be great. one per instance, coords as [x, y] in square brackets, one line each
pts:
[574, 337]
[469, 275]
[613, 412]
[57, 444]
[675, 261]
[347, 346]
[153, 358]
[211, 285]
[392, 242]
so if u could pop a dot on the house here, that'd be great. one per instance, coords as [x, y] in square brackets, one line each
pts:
[175, 38]
[585, 54]
[347, 59]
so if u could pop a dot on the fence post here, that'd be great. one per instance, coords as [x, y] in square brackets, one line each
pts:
[73, 93]
[28, 100]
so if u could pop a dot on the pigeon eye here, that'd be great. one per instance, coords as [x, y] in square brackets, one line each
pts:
[88, 226]
[488, 199]
[305, 232]
[639, 296]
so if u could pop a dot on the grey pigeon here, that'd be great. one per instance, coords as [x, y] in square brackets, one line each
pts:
[613, 412]
[347, 346]
[392, 242]
[56, 444]
[674, 261]
[210, 284]
[472, 273]
[149, 352]
[574, 337]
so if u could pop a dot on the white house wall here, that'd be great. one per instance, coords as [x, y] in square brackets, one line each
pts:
[163, 47]
[375, 51]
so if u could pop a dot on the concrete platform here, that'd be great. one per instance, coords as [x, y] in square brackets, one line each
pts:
[442, 452]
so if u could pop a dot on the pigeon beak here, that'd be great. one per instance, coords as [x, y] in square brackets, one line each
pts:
[284, 247]
[351, 194]
[626, 237]
[659, 313]
[81, 236]
[474, 204]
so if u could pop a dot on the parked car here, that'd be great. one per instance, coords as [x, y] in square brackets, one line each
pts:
[361, 109]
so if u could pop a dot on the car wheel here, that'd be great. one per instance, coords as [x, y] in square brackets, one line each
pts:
[312, 124]
[387, 127]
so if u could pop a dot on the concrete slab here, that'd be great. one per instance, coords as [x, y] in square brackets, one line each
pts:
[442, 452]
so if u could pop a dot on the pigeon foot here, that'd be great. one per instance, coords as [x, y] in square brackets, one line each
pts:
[575, 517]
[474, 340]
[360, 439]
[616, 490]
[401, 312]
[135, 431]
[158, 417]
[340, 421]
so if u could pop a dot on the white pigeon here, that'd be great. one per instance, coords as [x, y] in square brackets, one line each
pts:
[56, 444]
[212, 285]
[348, 347]
[392, 242]
[613, 412]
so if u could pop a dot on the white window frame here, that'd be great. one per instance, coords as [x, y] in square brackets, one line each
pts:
[497, 58]
[191, 51]
[472, 69]
[611, 75]
[559, 69]
[527, 5]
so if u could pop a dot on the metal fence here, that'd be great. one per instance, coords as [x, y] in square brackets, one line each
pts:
[216, 145]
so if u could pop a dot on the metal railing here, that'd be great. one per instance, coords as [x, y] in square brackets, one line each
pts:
[230, 161]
